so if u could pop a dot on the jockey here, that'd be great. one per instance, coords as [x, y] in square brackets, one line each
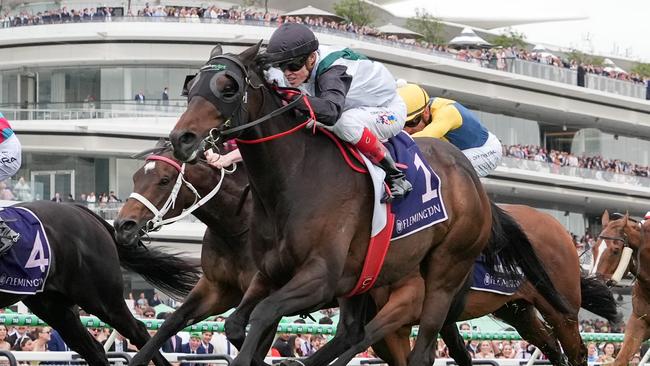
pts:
[10, 160]
[351, 96]
[450, 121]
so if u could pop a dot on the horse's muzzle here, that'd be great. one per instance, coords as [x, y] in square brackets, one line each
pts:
[126, 232]
[186, 145]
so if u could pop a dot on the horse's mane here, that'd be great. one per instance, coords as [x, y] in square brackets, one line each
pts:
[162, 146]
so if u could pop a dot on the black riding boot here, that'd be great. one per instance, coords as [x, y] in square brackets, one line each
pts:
[395, 179]
[8, 237]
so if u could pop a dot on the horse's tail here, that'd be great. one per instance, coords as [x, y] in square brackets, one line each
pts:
[171, 273]
[514, 249]
[597, 298]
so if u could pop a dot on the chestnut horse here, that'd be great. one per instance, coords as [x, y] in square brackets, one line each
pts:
[626, 239]
[557, 252]
[312, 214]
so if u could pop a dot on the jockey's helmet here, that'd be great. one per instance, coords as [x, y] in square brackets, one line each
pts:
[416, 100]
[289, 45]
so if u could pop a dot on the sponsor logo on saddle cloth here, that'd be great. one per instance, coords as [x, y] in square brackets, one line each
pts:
[25, 267]
[495, 279]
[423, 206]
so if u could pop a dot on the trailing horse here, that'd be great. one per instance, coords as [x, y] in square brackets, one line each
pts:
[626, 247]
[312, 214]
[84, 270]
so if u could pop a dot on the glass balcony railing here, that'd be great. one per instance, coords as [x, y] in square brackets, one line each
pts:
[591, 174]
[518, 66]
[75, 111]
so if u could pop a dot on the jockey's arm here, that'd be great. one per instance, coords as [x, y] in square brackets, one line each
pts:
[331, 88]
[445, 119]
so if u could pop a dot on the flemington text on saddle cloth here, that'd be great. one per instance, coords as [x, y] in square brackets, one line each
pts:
[25, 267]
[423, 206]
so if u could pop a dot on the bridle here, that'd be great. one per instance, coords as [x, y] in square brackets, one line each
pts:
[157, 222]
[626, 255]
[235, 105]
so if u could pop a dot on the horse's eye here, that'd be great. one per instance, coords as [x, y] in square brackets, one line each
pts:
[229, 91]
[164, 181]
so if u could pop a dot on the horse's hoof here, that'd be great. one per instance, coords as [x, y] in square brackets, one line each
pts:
[292, 362]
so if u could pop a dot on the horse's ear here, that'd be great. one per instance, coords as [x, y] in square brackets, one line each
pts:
[161, 142]
[248, 55]
[216, 51]
[626, 217]
[604, 220]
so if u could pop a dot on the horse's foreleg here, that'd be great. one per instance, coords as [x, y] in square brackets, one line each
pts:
[349, 331]
[207, 298]
[456, 345]
[63, 317]
[403, 307]
[636, 331]
[444, 275]
[115, 312]
[235, 327]
[308, 288]
[523, 316]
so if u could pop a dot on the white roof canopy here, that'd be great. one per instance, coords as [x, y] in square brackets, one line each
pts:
[314, 12]
[398, 31]
[468, 38]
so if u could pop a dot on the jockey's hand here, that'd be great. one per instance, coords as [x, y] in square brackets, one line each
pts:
[216, 160]
[311, 123]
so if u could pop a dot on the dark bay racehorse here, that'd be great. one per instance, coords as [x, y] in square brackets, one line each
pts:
[211, 296]
[311, 214]
[619, 234]
[85, 271]
[225, 257]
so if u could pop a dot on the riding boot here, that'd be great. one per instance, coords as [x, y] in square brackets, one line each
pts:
[395, 178]
[8, 237]
[370, 146]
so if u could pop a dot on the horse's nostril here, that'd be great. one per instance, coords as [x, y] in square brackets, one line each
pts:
[125, 226]
[187, 138]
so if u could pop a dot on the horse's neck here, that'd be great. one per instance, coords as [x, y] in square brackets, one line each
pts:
[272, 165]
[642, 240]
[220, 213]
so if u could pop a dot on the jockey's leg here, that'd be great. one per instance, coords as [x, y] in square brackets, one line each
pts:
[485, 158]
[8, 237]
[370, 146]
[364, 127]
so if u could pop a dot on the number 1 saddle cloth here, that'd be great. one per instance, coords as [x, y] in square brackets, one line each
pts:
[25, 267]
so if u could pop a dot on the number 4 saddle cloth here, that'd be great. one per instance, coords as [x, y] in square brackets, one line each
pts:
[25, 267]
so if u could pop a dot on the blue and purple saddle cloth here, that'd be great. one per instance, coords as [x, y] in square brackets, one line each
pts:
[25, 266]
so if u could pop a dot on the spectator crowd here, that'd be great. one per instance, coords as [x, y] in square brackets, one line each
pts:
[497, 58]
[566, 159]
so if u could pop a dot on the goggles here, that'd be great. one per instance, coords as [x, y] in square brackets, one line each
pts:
[292, 65]
[417, 119]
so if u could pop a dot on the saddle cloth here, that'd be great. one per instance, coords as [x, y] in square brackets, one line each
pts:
[423, 206]
[495, 279]
[420, 209]
[25, 267]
